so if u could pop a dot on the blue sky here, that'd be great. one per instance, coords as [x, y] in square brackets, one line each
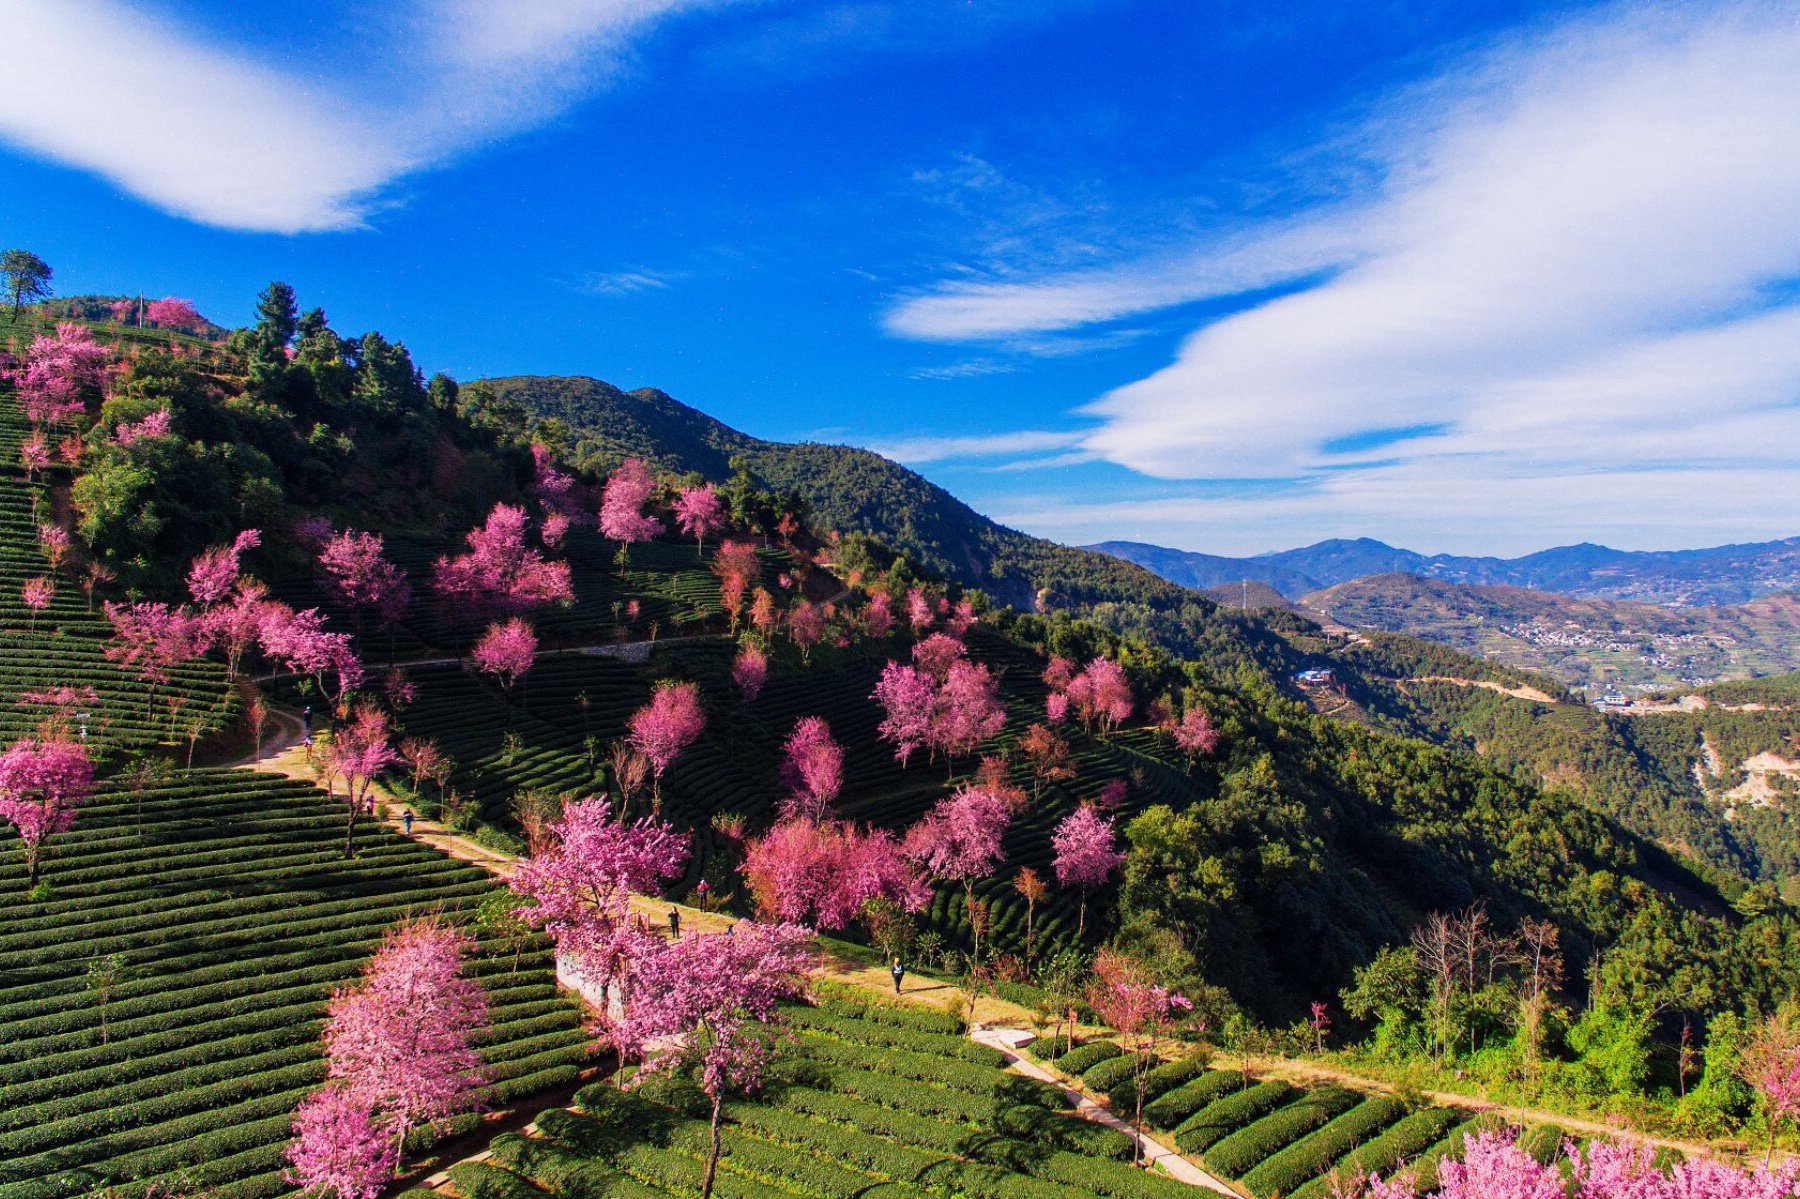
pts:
[1231, 277]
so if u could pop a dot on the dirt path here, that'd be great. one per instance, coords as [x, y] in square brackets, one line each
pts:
[288, 732]
[1088, 1107]
[1535, 695]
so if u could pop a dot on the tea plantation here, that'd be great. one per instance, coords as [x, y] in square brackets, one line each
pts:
[225, 913]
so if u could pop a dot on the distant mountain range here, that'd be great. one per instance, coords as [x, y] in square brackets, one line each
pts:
[1727, 574]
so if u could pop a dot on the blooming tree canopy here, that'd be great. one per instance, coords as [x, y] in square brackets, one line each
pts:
[822, 873]
[622, 501]
[1195, 735]
[1100, 695]
[214, 573]
[1085, 857]
[812, 769]
[750, 670]
[699, 513]
[360, 752]
[936, 654]
[905, 694]
[42, 783]
[668, 724]
[360, 575]
[966, 710]
[506, 651]
[501, 571]
[958, 840]
[1127, 999]
[172, 312]
[60, 370]
[712, 1001]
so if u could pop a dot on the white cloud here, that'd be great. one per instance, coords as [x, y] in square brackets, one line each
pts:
[623, 283]
[214, 134]
[917, 450]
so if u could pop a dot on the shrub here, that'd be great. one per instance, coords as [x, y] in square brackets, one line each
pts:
[1171, 1108]
[1283, 1172]
[1222, 1117]
[1079, 1060]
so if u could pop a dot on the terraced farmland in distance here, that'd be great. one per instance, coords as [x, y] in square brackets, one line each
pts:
[64, 645]
[887, 1103]
[234, 914]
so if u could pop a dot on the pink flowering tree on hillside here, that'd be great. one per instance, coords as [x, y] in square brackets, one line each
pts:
[175, 314]
[965, 711]
[152, 639]
[362, 578]
[506, 651]
[936, 654]
[36, 594]
[709, 1004]
[824, 874]
[359, 752]
[214, 574]
[750, 671]
[501, 572]
[1126, 998]
[664, 727]
[578, 887]
[1100, 696]
[622, 500]
[1085, 857]
[400, 1051]
[1771, 1064]
[42, 784]
[299, 641]
[61, 371]
[958, 840]
[905, 694]
[737, 566]
[812, 770]
[699, 513]
[1195, 735]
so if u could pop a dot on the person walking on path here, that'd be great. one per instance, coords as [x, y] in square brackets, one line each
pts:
[674, 922]
[899, 972]
[407, 821]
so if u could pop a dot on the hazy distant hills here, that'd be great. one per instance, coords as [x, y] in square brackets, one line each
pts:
[1728, 574]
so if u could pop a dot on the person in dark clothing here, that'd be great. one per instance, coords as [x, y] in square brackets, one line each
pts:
[899, 972]
[674, 922]
[407, 821]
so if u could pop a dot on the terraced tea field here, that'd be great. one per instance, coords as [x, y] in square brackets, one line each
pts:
[225, 904]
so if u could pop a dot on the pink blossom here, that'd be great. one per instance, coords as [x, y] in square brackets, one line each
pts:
[1059, 673]
[960, 620]
[553, 487]
[1195, 734]
[42, 783]
[359, 753]
[878, 616]
[37, 592]
[822, 873]
[1056, 707]
[750, 671]
[622, 501]
[158, 424]
[152, 638]
[500, 571]
[237, 626]
[812, 769]
[299, 641]
[34, 454]
[966, 710]
[214, 574]
[361, 576]
[918, 610]
[1100, 694]
[506, 651]
[668, 724]
[338, 1150]
[171, 312]
[54, 541]
[937, 653]
[555, 528]
[699, 513]
[958, 840]
[806, 625]
[1085, 857]
[906, 694]
[60, 369]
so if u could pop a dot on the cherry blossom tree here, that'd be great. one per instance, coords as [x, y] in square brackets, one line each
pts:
[936, 654]
[236, 627]
[1100, 695]
[1059, 672]
[1195, 735]
[360, 752]
[966, 710]
[1771, 1064]
[905, 694]
[1320, 1019]
[764, 615]
[750, 670]
[213, 575]
[501, 572]
[175, 314]
[298, 640]
[958, 840]
[1085, 857]
[34, 454]
[737, 566]
[878, 615]
[665, 726]
[422, 758]
[43, 781]
[339, 1151]
[824, 873]
[699, 513]
[160, 423]
[554, 488]
[1128, 999]
[622, 517]
[152, 639]
[400, 1041]
[36, 594]
[711, 1003]
[506, 651]
[812, 769]
[60, 370]
[579, 884]
[919, 612]
[54, 541]
[806, 625]
[362, 578]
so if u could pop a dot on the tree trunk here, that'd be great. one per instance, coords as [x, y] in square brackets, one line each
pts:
[1081, 922]
[33, 860]
[1029, 907]
[350, 826]
[712, 1161]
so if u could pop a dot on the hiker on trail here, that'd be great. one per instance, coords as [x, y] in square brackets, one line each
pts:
[899, 972]
[407, 821]
[674, 922]
[701, 890]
